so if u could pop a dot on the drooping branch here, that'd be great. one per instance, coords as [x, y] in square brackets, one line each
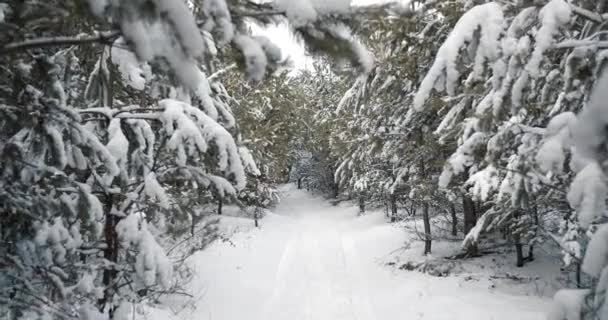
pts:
[221, 71]
[571, 43]
[102, 37]
[253, 14]
[588, 14]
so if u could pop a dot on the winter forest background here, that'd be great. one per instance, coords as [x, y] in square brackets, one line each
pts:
[128, 127]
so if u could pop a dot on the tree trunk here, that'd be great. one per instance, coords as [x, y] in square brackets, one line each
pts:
[110, 253]
[287, 174]
[193, 226]
[470, 216]
[470, 219]
[454, 219]
[361, 204]
[393, 203]
[299, 183]
[536, 226]
[520, 254]
[336, 189]
[519, 251]
[387, 206]
[220, 205]
[425, 214]
[427, 228]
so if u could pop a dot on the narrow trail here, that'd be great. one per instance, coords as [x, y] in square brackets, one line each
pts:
[316, 279]
[313, 261]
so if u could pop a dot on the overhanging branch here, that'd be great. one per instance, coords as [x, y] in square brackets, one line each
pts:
[588, 14]
[101, 37]
[571, 43]
[253, 14]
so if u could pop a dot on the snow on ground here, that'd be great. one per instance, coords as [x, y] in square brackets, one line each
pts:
[494, 270]
[315, 261]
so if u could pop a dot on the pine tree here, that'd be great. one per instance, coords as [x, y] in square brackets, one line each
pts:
[110, 124]
[502, 65]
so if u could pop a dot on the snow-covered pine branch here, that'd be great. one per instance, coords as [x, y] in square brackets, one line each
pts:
[444, 74]
[104, 37]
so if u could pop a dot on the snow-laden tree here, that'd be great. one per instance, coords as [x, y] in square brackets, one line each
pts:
[90, 177]
[386, 152]
[312, 165]
[270, 117]
[584, 137]
[496, 65]
[512, 69]
[110, 124]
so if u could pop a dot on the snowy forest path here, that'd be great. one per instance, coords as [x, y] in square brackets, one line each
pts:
[310, 260]
[318, 276]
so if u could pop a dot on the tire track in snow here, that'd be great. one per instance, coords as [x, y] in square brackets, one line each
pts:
[361, 300]
[319, 277]
[282, 274]
[333, 291]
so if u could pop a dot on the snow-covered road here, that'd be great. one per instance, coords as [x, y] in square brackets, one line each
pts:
[314, 261]
[317, 276]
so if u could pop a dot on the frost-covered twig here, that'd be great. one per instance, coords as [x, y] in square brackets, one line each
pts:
[221, 71]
